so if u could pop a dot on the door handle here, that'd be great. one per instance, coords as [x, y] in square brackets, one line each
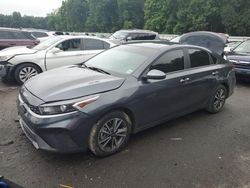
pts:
[215, 73]
[183, 80]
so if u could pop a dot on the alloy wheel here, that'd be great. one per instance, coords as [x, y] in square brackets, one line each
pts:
[26, 73]
[219, 99]
[112, 134]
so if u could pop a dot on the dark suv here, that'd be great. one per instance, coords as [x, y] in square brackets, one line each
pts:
[14, 37]
[240, 57]
[135, 34]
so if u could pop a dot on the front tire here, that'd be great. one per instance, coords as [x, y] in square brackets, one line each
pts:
[25, 71]
[218, 100]
[110, 134]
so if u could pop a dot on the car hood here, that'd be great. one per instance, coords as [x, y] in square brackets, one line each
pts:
[18, 50]
[212, 41]
[71, 82]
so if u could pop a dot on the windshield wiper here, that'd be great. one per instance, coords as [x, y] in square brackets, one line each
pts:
[96, 69]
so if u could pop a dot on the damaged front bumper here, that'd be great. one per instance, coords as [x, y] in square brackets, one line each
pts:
[5, 69]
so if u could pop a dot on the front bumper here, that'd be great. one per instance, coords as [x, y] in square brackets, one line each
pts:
[61, 134]
[240, 72]
[5, 69]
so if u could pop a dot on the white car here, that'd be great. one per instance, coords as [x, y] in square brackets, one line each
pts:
[22, 63]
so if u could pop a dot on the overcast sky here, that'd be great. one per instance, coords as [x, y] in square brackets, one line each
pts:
[29, 7]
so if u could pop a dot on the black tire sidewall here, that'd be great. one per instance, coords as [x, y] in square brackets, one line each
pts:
[93, 140]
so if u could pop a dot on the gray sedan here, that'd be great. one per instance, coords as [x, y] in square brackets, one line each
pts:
[124, 90]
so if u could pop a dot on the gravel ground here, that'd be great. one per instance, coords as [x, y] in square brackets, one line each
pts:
[197, 150]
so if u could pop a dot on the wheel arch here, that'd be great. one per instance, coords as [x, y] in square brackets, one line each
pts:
[15, 66]
[127, 111]
[226, 85]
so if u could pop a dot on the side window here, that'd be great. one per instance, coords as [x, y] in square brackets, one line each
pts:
[70, 45]
[143, 36]
[5, 35]
[93, 44]
[151, 36]
[170, 62]
[134, 36]
[39, 34]
[198, 58]
[20, 35]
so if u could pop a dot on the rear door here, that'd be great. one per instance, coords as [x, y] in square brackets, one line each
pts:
[21, 38]
[5, 39]
[93, 47]
[203, 73]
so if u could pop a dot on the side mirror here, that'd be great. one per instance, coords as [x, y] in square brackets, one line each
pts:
[55, 50]
[156, 75]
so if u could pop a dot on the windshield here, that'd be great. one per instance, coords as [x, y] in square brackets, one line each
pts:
[243, 47]
[122, 60]
[47, 43]
[119, 35]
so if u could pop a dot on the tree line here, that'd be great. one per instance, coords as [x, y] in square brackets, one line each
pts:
[163, 16]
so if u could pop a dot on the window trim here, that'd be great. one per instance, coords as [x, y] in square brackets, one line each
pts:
[186, 49]
[81, 46]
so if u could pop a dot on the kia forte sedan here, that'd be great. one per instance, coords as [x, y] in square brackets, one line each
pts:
[124, 90]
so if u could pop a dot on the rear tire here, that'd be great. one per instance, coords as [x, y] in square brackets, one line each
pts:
[25, 71]
[110, 134]
[217, 101]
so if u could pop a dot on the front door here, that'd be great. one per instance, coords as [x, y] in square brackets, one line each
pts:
[164, 98]
[69, 52]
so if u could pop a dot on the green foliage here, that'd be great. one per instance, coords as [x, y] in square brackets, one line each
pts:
[164, 16]
[17, 21]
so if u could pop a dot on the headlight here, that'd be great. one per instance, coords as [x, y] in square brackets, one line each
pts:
[52, 110]
[6, 58]
[66, 108]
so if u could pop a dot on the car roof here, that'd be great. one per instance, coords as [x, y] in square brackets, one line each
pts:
[137, 31]
[165, 46]
[84, 37]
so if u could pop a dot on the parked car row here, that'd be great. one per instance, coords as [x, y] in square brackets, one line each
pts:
[15, 37]
[98, 104]
[22, 63]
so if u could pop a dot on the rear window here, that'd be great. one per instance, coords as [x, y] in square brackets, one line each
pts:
[198, 58]
[5, 35]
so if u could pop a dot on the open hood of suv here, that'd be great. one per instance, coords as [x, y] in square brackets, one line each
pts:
[213, 41]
